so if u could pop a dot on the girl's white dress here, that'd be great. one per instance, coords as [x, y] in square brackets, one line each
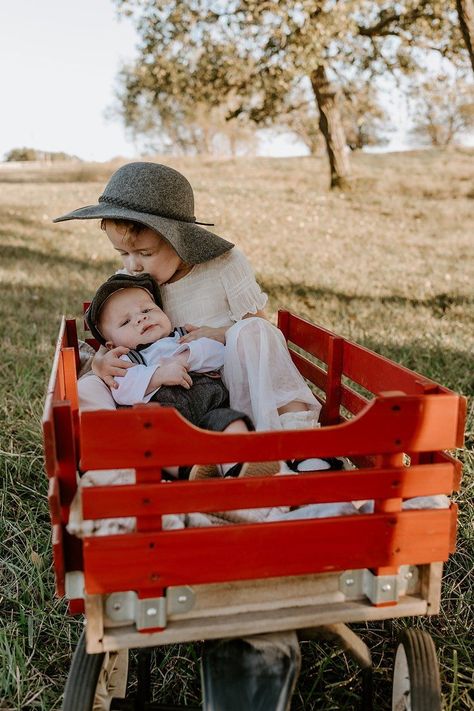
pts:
[258, 370]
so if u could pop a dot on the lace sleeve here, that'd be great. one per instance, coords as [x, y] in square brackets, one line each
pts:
[243, 293]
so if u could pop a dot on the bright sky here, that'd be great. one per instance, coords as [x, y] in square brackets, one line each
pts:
[58, 66]
[59, 60]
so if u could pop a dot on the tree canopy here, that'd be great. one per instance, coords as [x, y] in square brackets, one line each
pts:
[252, 55]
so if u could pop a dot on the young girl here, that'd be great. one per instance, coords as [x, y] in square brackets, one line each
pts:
[207, 284]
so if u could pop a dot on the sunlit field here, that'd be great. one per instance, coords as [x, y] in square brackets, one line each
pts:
[388, 264]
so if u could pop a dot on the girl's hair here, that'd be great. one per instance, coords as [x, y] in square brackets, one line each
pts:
[131, 229]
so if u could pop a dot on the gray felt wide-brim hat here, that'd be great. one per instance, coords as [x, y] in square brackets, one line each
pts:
[160, 198]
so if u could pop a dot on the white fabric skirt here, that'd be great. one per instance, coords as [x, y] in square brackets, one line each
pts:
[260, 375]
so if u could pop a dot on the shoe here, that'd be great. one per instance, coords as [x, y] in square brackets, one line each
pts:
[315, 464]
[213, 471]
[259, 469]
[204, 471]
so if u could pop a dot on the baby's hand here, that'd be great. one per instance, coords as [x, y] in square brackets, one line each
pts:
[172, 371]
[107, 365]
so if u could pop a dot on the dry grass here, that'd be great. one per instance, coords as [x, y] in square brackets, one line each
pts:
[388, 264]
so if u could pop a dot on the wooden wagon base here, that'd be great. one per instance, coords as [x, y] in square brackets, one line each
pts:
[262, 606]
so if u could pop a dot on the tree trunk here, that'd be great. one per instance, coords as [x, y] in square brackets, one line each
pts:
[331, 127]
[466, 20]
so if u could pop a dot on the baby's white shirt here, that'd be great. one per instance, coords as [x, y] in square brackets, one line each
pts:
[205, 355]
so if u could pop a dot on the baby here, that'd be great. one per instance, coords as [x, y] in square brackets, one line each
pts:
[126, 311]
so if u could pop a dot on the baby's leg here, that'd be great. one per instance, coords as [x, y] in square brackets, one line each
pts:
[226, 419]
[205, 394]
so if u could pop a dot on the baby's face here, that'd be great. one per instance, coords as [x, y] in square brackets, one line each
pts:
[130, 317]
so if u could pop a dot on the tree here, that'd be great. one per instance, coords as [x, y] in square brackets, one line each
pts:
[259, 50]
[442, 108]
[465, 10]
[366, 122]
[179, 124]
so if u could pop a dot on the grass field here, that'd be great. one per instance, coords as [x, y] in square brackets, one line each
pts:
[389, 264]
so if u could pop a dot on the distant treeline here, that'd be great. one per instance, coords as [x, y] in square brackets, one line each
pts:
[30, 154]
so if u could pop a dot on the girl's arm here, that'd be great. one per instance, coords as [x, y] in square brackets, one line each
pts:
[217, 334]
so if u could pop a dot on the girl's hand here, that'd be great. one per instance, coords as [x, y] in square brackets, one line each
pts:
[217, 334]
[107, 364]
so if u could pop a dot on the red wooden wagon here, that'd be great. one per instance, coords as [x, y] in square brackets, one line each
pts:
[152, 587]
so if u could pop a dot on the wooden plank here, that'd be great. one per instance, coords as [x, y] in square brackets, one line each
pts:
[149, 435]
[313, 339]
[53, 500]
[439, 457]
[72, 342]
[54, 370]
[258, 622]
[220, 495]
[454, 527]
[462, 414]
[334, 385]
[95, 624]
[70, 377]
[388, 505]
[352, 401]
[309, 370]
[377, 373]
[260, 595]
[190, 556]
[49, 442]
[65, 454]
[283, 321]
[430, 586]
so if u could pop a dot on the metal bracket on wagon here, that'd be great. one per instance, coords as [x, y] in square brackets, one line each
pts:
[122, 608]
[379, 588]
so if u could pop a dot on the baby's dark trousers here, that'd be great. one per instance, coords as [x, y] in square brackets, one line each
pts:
[205, 404]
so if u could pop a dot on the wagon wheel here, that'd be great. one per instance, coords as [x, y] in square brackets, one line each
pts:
[94, 679]
[416, 683]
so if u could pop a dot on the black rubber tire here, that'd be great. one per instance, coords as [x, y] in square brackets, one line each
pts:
[367, 698]
[96, 681]
[423, 672]
[82, 679]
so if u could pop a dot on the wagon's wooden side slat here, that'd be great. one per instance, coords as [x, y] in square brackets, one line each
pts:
[352, 401]
[186, 497]
[444, 457]
[61, 436]
[309, 370]
[144, 561]
[377, 373]
[153, 436]
[313, 339]
[58, 558]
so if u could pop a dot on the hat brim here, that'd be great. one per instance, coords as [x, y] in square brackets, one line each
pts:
[193, 243]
